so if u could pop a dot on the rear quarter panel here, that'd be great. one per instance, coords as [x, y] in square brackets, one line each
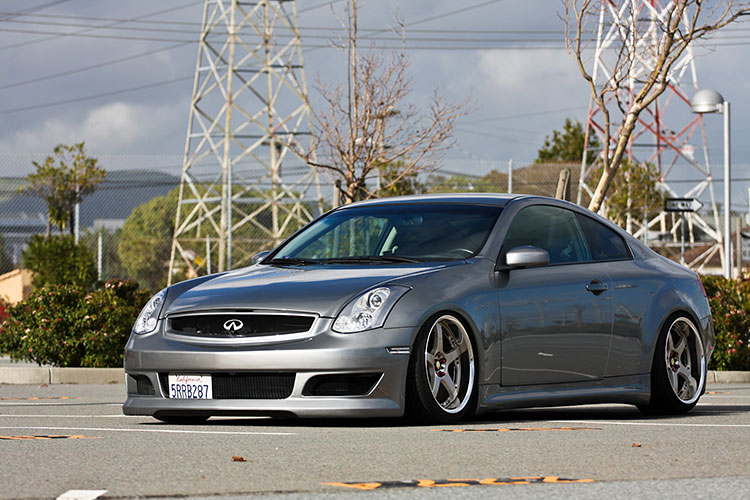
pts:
[647, 291]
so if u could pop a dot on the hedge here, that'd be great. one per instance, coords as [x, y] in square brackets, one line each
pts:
[730, 308]
[63, 325]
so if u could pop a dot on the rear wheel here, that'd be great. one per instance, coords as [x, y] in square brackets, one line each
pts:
[678, 375]
[440, 385]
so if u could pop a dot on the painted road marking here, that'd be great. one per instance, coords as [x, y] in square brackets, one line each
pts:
[653, 424]
[28, 438]
[520, 429]
[43, 415]
[37, 398]
[452, 483]
[12, 403]
[165, 431]
[81, 494]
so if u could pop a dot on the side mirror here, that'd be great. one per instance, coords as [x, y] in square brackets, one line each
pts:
[526, 256]
[260, 256]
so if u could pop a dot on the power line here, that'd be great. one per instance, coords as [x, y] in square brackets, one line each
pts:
[97, 96]
[59, 35]
[524, 115]
[90, 67]
[452, 13]
[21, 13]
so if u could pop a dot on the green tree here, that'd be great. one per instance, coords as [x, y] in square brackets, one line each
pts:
[62, 180]
[112, 267]
[58, 260]
[146, 240]
[396, 181]
[634, 192]
[6, 263]
[566, 146]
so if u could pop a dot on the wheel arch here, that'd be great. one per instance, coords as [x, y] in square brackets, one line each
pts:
[468, 323]
[666, 322]
[669, 302]
[426, 321]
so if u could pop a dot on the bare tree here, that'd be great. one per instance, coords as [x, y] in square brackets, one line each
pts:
[659, 39]
[366, 126]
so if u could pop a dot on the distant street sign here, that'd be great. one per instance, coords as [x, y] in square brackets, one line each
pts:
[745, 247]
[682, 205]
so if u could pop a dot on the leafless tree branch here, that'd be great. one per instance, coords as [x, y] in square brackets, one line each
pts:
[367, 125]
[644, 40]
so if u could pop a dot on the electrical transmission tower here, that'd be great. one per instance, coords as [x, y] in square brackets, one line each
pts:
[249, 111]
[666, 131]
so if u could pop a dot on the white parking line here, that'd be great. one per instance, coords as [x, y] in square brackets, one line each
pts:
[67, 403]
[42, 415]
[650, 424]
[165, 431]
[81, 494]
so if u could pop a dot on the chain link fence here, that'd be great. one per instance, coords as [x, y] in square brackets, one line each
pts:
[127, 221]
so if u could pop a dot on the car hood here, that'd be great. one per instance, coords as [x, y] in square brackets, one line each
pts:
[321, 290]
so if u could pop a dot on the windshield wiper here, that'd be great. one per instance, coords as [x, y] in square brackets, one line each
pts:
[293, 261]
[371, 259]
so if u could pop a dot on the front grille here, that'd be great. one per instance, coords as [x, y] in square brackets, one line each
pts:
[239, 325]
[255, 385]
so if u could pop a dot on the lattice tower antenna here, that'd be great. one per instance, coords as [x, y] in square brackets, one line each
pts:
[666, 131]
[248, 114]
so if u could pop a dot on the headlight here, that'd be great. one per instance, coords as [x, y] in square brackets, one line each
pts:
[369, 310]
[146, 322]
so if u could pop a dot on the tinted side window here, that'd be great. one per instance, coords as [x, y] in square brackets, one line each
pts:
[605, 244]
[551, 228]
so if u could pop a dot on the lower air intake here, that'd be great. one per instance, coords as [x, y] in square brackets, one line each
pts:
[252, 385]
[359, 384]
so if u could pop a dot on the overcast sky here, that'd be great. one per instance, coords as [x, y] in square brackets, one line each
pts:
[95, 84]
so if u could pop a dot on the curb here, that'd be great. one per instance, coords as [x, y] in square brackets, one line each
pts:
[733, 377]
[54, 375]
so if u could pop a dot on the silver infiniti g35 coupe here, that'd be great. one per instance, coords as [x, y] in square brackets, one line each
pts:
[437, 306]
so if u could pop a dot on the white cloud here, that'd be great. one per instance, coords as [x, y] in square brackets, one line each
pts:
[523, 72]
[114, 127]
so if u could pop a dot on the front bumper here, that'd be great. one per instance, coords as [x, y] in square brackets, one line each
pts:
[152, 357]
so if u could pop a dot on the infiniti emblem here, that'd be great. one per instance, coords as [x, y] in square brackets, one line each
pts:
[233, 325]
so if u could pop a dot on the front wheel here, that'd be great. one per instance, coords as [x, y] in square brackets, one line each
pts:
[678, 374]
[440, 383]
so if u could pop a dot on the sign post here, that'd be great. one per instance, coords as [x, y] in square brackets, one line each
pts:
[682, 205]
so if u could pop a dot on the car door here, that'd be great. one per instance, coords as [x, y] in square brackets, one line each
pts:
[556, 320]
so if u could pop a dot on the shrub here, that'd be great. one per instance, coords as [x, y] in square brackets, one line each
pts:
[731, 323]
[64, 325]
[57, 260]
[3, 311]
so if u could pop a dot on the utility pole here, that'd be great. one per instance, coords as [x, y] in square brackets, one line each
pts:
[249, 112]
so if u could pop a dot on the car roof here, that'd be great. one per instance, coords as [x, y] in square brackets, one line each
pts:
[498, 199]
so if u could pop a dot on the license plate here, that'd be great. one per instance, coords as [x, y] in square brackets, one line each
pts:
[190, 387]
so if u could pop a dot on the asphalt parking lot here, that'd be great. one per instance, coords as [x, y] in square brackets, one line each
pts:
[58, 438]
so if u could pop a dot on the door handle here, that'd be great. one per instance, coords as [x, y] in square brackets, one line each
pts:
[597, 287]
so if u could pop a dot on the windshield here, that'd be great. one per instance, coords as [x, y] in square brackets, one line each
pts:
[393, 233]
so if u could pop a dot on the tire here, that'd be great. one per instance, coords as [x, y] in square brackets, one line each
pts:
[678, 373]
[441, 385]
[182, 419]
